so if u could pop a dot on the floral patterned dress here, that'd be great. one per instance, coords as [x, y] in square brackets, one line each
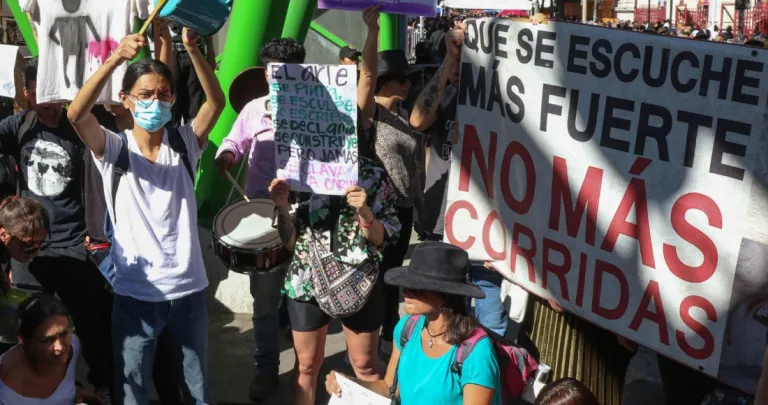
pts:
[335, 225]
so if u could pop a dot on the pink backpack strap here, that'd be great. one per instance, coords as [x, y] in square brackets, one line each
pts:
[466, 347]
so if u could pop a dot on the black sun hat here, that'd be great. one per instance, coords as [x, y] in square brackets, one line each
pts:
[392, 61]
[248, 85]
[438, 267]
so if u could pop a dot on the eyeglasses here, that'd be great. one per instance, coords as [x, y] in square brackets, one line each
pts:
[144, 100]
[29, 248]
[51, 339]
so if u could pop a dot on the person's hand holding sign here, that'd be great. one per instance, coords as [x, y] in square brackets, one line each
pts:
[373, 230]
[371, 17]
[129, 48]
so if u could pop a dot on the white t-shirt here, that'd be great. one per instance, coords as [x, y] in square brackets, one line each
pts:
[156, 249]
[88, 31]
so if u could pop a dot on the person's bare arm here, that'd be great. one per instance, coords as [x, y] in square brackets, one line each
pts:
[366, 85]
[163, 42]
[210, 52]
[79, 112]
[477, 395]
[424, 111]
[279, 193]
[373, 229]
[214, 97]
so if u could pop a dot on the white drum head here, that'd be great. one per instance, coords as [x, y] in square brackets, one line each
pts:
[247, 225]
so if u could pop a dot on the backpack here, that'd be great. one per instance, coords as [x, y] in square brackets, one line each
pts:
[516, 365]
[121, 167]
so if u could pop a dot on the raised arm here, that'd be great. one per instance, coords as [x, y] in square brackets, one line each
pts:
[163, 42]
[210, 52]
[214, 97]
[79, 113]
[424, 111]
[366, 85]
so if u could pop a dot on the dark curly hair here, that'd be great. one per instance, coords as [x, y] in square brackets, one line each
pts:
[282, 50]
[30, 71]
[566, 391]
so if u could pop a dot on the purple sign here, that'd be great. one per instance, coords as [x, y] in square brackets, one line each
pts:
[409, 7]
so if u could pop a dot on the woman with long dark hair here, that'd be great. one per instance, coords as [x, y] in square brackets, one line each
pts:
[40, 370]
[421, 369]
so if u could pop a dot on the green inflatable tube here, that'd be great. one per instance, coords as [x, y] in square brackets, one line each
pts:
[388, 34]
[24, 26]
[298, 19]
[248, 26]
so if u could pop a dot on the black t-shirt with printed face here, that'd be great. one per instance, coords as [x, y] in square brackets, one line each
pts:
[436, 184]
[51, 171]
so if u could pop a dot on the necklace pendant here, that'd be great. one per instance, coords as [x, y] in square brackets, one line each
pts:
[430, 343]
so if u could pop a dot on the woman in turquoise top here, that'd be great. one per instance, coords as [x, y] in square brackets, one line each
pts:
[434, 287]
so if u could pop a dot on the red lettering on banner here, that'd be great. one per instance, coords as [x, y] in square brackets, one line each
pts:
[559, 270]
[582, 279]
[472, 147]
[694, 236]
[449, 214]
[527, 254]
[696, 327]
[492, 253]
[523, 205]
[643, 312]
[634, 196]
[588, 198]
[601, 268]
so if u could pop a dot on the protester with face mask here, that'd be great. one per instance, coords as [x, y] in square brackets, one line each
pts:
[40, 370]
[160, 278]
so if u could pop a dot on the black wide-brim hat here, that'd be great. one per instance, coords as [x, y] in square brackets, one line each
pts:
[248, 85]
[392, 61]
[438, 267]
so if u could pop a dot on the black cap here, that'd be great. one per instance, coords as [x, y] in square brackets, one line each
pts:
[349, 52]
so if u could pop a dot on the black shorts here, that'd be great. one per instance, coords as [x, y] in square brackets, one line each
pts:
[307, 316]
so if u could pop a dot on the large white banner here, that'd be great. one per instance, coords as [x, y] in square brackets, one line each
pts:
[623, 175]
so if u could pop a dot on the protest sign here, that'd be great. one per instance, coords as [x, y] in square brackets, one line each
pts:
[354, 394]
[624, 176]
[9, 54]
[315, 121]
[409, 7]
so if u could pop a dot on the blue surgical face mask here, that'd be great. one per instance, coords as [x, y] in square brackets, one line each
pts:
[152, 115]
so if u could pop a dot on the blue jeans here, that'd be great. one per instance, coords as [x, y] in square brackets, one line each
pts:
[489, 311]
[136, 326]
[266, 289]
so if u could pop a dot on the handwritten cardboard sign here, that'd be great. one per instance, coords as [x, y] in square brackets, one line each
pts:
[315, 120]
[8, 53]
[623, 175]
[409, 7]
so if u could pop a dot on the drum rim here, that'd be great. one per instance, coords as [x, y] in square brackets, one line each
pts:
[217, 237]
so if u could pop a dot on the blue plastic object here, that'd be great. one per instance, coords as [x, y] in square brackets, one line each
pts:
[206, 17]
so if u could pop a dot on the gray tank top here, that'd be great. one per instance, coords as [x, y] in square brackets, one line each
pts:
[401, 150]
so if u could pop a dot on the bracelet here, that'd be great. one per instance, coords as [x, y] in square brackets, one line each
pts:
[364, 226]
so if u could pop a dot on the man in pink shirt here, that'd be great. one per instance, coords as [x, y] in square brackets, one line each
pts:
[253, 135]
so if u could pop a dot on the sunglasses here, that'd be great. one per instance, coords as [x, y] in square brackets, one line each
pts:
[29, 248]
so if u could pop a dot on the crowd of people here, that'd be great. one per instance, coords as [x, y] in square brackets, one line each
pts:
[117, 242]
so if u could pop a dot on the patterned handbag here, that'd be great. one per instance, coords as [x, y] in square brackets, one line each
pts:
[340, 289]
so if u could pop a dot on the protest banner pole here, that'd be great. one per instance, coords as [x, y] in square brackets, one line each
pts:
[584, 10]
[298, 18]
[388, 38]
[248, 26]
[594, 12]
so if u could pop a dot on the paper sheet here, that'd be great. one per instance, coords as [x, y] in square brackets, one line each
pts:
[7, 83]
[353, 394]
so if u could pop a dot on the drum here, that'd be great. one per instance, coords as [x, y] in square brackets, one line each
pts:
[205, 17]
[244, 238]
